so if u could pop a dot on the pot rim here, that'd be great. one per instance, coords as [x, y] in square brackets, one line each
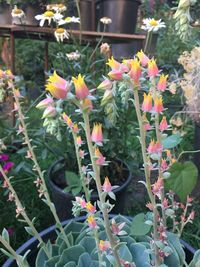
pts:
[34, 242]
[94, 195]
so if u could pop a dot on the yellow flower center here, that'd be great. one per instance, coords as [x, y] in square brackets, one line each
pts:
[18, 11]
[48, 14]
[153, 22]
[60, 30]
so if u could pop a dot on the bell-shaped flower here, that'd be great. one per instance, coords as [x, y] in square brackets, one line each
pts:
[143, 58]
[100, 159]
[79, 141]
[162, 83]
[90, 208]
[164, 165]
[105, 85]
[154, 147]
[147, 102]
[87, 104]
[81, 88]
[163, 124]
[67, 120]
[91, 222]
[81, 202]
[135, 71]
[45, 103]
[152, 68]
[57, 86]
[49, 112]
[107, 187]
[114, 64]
[97, 135]
[158, 104]
[104, 245]
[115, 74]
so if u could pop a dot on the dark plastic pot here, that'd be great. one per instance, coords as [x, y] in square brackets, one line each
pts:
[31, 11]
[63, 201]
[50, 233]
[5, 14]
[122, 12]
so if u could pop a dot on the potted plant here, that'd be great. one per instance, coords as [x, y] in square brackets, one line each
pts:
[101, 241]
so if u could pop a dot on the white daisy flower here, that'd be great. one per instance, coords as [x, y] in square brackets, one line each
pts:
[61, 34]
[73, 55]
[152, 25]
[106, 20]
[69, 20]
[49, 16]
[17, 13]
[57, 7]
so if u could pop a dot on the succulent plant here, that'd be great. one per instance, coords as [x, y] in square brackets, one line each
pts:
[135, 247]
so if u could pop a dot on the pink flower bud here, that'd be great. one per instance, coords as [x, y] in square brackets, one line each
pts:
[97, 135]
[81, 88]
[107, 187]
[49, 112]
[45, 103]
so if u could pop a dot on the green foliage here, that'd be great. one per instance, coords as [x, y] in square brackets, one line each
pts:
[84, 253]
[139, 227]
[73, 183]
[171, 141]
[183, 179]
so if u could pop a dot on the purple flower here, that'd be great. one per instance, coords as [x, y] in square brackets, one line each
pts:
[4, 157]
[7, 167]
[10, 231]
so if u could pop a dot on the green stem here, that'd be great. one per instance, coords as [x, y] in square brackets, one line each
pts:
[147, 173]
[37, 167]
[148, 42]
[96, 236]
[18, 259]
[79, 14]
[85, 188]
[111, 238]
[187, 152]
[24, 215]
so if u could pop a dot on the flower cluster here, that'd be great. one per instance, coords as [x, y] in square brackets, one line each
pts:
[6, 164]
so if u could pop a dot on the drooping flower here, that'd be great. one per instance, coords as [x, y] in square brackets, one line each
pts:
[151, 24]
[45, 103]
[164, 165]
[106, 20]
[163, 124]
[57, 86]
[115, 74]
[75, 128]
[117, 228]
[91, 222]
[69, 20]
[105, 49]
[147, 103]
[143, 58]
[152, 68]
[105, 85]
[67, 119]
[48, 16]
[154, 147]
[90, 208]
[107, 187]
[104, 245]
[100, 159]
[57, 7]
[87, 104]
[114, 64]
[158, 105]
[157, 187]
[81, 88]
[79, 141]
[61, 34]
[17, 13]
[81, 202]
[49, 112]
[135, 71]
[97, 135]
[162, 83]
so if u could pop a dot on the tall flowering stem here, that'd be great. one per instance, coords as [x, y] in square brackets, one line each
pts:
[15, 256]
[36, 167]
[21, 209]
[147, 171]
[103, 208]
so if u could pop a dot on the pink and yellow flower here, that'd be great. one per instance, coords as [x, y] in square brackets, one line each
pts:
[91, 222]
[90, 208]
[163, 124]
[164, 165]
[152, 68]
[79, 141]
[104, 245]
[143, 58]
[97, 135]
[115, 74]
[49, 112]
[81, 202]
[135, 71]
[100, 159]
[154, 147]
[81, 88]
[158, 105]
[87, 104]
[75, 128]
[45, 103]
[107, 187]
[57, 86]
[162, 83]
[67, 120]
[105, 85]
[147, 102]
[114, 64]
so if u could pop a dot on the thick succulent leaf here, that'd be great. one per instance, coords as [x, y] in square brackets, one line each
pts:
[63, 245]
[120, 219]
[41, 258]
[196, 259]
[55, 250]
[125, 253]
[52, 262]
[84, 260]
[128, 239]
[140, 255]
[94, 264]
[183, 179]
[70, 264]
[88, 243]
[138, 226]
[174, 242]
[71, 254]
[171, 141]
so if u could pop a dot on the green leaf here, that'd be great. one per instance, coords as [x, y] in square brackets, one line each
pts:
[5, 235]
[29, 230]
[88, 243]
[171, 141]
[52, 262]
[196, 259]
[70, 264]
[138, 226]
[41, 258]
[84, 260]
[140, 255]
[72, 178]
[183, 179]
[125, 253]
[71, 254]
[6, 253]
